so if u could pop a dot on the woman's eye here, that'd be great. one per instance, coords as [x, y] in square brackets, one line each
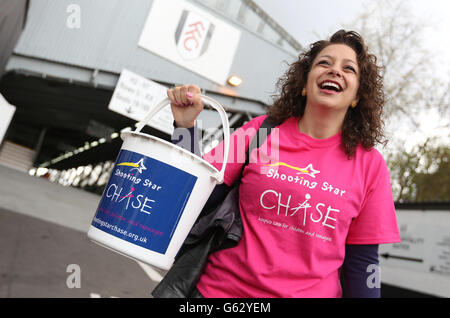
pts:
[323, 62]
[351, 68]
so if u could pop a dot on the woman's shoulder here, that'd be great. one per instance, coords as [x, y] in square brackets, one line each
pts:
[371, 158]
[251, 126]
[255, 122]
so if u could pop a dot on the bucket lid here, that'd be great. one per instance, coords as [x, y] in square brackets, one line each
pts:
[215, 173]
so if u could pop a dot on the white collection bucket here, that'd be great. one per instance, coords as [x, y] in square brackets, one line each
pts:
[154, 195]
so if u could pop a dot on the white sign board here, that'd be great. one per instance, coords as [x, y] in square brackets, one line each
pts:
[6, 114]
[425, 243]
[134, 96]
[422, 260]
[191, 37]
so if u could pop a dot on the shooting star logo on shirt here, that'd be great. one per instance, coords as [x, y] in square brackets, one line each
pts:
[308, 170]
[139, 166]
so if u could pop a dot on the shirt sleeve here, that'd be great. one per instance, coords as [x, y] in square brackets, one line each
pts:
[360, 272]
[187, 138]
[239, 142]
[376, 222]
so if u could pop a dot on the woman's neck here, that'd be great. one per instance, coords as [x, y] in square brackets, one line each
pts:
[320, 123]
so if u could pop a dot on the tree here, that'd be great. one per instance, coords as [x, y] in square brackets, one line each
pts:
[414, 82]
[421, 174]
[417, 99]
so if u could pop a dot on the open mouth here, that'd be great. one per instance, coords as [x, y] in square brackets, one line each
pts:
[331, 86]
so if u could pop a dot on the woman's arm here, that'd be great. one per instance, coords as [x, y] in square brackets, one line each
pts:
[187, 138]
[360, 272]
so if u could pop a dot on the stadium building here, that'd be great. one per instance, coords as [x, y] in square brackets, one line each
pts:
[66, 65]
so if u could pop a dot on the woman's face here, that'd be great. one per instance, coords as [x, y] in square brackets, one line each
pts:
[333, 80]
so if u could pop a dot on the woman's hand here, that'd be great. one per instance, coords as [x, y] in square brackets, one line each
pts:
[186, 104]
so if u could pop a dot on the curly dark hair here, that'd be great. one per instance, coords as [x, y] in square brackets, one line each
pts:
[362, 124]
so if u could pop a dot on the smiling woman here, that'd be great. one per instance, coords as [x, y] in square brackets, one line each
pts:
[332, 86]
[321, 206]
[343, 62]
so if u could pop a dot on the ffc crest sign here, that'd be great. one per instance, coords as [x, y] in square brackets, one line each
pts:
[182, 33]
[193, 35]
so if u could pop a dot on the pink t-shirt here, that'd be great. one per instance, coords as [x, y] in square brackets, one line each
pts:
[301, 201]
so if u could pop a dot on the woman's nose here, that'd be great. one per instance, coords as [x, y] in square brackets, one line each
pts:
[335, 72]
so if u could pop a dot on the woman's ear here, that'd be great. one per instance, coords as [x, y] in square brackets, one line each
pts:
[304, 92]
[355, 102]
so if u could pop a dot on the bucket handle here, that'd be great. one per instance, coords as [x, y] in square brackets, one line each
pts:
[223, 116]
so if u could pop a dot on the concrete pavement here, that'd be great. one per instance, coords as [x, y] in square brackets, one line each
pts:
[43, 231]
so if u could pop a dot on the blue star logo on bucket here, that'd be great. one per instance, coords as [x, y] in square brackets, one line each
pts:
[140, 208]
[139, 166]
